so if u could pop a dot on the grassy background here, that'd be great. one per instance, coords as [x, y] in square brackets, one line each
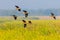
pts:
[38, 30]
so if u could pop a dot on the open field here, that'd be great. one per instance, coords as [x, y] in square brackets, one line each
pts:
[31, 17]
[39, 30]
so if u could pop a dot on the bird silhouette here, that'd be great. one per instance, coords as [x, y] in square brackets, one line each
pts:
[25, 13]
[25, 25]
[30, 22]
[17, 8]
[15, 17]
[52, 14]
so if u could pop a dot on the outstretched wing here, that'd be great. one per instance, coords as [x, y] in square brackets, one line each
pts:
[52, 14]
[17, 8]
[26, 13]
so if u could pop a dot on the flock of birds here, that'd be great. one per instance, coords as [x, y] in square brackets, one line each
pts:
[19, 9]
[26, 15]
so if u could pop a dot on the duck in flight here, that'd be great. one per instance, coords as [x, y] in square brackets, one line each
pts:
[25, 13]
[25, 24]
[52, 14]
[18, 8]
[15, 17]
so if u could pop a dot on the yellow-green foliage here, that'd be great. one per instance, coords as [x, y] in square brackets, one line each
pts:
[38, 30]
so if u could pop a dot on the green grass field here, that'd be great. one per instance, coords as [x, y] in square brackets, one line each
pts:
[38, 30]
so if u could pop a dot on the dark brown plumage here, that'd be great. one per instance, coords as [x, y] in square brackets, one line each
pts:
[17, 8]
[54, 17]
[52, 14]
[30, 22]
[26, 13]
[24, 23]
[15, 17]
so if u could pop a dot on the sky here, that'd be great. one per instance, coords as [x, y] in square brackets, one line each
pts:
[30, 4]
